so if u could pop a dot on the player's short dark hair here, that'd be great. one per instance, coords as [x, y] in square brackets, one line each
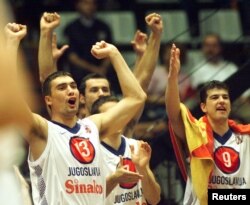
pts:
[100, 101]
[46, 86]
[211, 85]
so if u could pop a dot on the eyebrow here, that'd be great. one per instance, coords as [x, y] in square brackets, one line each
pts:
[63, 84]
[99, 87]
[215, 95]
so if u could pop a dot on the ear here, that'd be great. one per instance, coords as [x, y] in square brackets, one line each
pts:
[48, 100]
[82, 99]
[203, 107]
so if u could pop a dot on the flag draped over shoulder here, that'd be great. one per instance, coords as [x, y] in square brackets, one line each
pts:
[199, 136]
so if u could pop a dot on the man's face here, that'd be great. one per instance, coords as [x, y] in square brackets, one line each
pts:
[95, 88]
[217, 106]
[64, 98]
[87, 8]
[211, 48]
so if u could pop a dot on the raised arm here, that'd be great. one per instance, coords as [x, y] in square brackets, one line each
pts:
[139, 44]
[145, 68]
[48, 53]
[14, 89]
[133, 96]
[14, 33]
[10, 82]
[150, 188]
[172, 97]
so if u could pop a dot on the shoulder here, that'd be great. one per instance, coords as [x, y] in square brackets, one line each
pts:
[130, 141]
[92, 121]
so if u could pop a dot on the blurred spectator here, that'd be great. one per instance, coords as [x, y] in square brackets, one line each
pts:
[153, 120]
[213, 66]
[82, 33]
[158, 83]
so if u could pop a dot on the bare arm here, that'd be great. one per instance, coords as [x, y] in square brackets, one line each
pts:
[144, 71]
[172, 97]
[12, 90]
[151, 189]
[13, 33]
[47, 65]
[133, 96]
[139, 44]
[146, 66]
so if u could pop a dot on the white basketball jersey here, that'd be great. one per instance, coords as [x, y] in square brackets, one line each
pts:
[231, 157]
[129, 194]
[69, 170]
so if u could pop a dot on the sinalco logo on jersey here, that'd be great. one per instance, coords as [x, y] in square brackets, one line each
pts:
[82, 149]
[129, 165]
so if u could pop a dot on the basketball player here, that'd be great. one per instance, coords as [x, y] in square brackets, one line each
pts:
[121, 155]
[218, 147]
[65, 161]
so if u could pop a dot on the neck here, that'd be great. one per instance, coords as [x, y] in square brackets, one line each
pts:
[68, 121]
[220, 126]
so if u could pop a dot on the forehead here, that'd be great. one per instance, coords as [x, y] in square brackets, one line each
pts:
[217, 91]
[61, 80]
[97, 82]
[211, 40]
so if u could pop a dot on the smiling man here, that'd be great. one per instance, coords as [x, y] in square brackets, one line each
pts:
[217, 146]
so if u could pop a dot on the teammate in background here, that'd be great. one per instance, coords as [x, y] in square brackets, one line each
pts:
[95, 85]
[217, 146]
[122, 154]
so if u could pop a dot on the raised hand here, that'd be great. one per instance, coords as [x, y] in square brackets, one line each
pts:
[174, 65]
[50, 20]
[154, 21]
[14, 31]
[139, 42]
[57, 52]
[103, 50]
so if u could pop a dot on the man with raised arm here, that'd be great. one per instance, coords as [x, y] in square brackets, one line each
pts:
[94, 85]
[65, 161]
[216, 145]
